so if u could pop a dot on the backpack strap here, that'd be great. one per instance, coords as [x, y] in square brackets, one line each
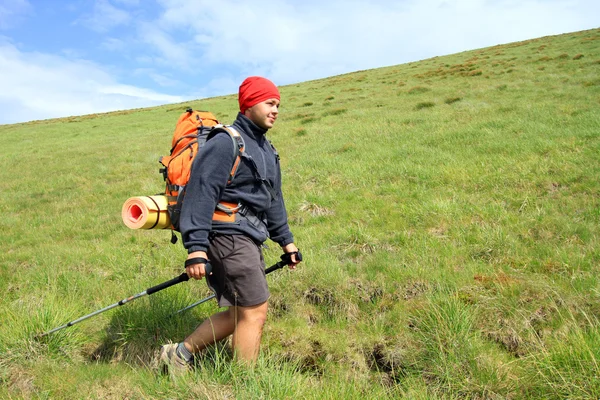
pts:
[238, 146]
[225, 211]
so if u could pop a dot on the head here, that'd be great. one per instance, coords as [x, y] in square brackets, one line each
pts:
[259, 101]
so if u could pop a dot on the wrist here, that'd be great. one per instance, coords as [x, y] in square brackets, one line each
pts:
[197, 254]
[289, 248]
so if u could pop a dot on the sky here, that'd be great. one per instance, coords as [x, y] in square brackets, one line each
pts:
[61, 58]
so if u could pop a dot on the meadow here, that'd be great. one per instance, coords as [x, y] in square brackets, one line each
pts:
[448, 211]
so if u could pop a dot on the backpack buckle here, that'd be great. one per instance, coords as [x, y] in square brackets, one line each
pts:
[228, 208]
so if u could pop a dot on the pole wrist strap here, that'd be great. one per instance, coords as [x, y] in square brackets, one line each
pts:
[195, 260]
[287, 257]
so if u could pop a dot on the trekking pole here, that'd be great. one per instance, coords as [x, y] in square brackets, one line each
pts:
[286, 259]
[181, 278]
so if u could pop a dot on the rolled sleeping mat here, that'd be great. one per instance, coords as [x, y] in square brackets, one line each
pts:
[146, 212]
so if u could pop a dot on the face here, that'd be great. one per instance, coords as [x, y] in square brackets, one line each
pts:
[264, 113]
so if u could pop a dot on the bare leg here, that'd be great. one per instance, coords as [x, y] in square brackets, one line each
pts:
[248, 331]
[245, 323]
[213, 329]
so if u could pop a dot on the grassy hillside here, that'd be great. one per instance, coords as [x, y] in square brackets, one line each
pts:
[448, 211]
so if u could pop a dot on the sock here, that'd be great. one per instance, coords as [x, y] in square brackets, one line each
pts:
[184, 353]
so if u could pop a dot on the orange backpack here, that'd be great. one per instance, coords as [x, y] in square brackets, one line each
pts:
[191, 132]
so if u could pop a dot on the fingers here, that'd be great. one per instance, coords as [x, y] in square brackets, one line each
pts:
[294, 262]
[196, 271]
[194, 265]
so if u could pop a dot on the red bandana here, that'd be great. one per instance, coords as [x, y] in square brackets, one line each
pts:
[254, 90]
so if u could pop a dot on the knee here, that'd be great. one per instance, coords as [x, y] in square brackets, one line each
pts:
[258, 320]
[258, 316]
[255, 315]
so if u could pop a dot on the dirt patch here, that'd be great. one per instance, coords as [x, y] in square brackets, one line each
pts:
[499, 278]
[331, 305]
[368, 292]
[310, 361]
[387, 361]
[114, 390]
[278, 307]
[19, 382]
[113, 350]
[509, 340]
[315, 210]
[320, 297]
[521, 337]
[414, 289]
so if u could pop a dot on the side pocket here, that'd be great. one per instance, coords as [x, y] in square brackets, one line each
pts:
[224, 245]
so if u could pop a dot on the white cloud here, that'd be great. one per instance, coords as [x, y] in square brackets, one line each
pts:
[105, 16]
[129, 3]
[11, 12]
[113, 44]
[171, 52]
[161, 79]
[294, 41]
[40, 86]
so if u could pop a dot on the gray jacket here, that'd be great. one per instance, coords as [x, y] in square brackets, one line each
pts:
[208, 185]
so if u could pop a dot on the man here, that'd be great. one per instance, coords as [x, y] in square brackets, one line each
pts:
[234, 247]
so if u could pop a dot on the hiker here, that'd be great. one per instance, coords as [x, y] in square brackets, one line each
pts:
[232, 240]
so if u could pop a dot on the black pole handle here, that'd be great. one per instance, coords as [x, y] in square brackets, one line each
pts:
[181, 278]
[275, 267]
[286, 259]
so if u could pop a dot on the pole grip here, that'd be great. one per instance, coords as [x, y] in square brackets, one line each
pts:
[181, 278]
[275, 267]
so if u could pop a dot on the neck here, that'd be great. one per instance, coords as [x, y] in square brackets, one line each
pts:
[250, 127]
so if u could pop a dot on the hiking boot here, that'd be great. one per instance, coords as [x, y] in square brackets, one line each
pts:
[171, 362]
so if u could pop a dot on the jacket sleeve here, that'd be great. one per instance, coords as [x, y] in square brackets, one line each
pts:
[277, 223]
[277, 218]
[208, 179]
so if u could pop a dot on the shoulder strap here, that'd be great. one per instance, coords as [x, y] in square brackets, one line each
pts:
[238, 146]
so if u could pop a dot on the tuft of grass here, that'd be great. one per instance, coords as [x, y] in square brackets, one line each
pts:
[418, 90]
[308, 120]
[424, 104]
[451, 100]
[569, 366]
[457, 355]
[336, 111]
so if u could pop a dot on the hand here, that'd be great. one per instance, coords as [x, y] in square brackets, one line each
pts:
[291, 248]
[196, 271]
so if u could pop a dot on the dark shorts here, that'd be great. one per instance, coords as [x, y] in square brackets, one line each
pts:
[238, 271]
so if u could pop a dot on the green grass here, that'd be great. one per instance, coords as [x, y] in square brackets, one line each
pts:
[448, 211]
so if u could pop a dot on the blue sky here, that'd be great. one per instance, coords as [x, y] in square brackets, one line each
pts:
[75, 57]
